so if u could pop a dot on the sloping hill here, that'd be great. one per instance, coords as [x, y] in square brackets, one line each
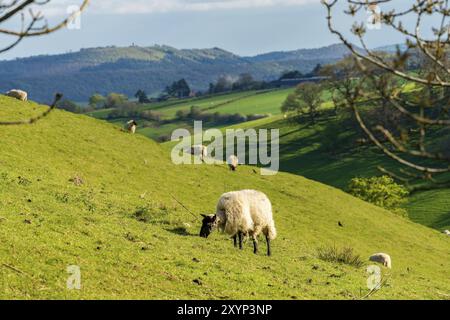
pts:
[325, 53]
[328, 152]
[132, 240]
[125, 70]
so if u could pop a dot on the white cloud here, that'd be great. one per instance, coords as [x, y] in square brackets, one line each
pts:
[161, 6]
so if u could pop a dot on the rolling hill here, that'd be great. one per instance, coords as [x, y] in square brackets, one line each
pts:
[125, 70]
[326, 152]
[78, 191]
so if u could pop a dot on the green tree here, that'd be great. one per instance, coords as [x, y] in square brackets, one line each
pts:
[340, 82]
[306, 99]
[295, 74]
[212, 88]
[223, 84]
[380, 191]
[142, 96]
[290, 104]
[115, 100]
[179, 89]
[316, 71]
[245, 82]
[97, 101]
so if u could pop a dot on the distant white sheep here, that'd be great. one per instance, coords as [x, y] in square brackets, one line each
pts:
[241, 213]
[447, 232]
[199, 150]
[382, 258]
[131, 126]
[18, 94]
[233, 162]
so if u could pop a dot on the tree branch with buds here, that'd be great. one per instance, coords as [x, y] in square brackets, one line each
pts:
[423, 64]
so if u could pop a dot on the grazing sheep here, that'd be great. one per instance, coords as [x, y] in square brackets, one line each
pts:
[18, 94]
[447, 232]
[241, 213]
[382, 258]
[132, 126]
[233, 162]
[200, 150]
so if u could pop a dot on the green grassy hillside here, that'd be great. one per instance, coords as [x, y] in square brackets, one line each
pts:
[328, 152]
[78, 191]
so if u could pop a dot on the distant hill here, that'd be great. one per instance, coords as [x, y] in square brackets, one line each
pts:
[392, 48]
[325, 53]
[80, 74]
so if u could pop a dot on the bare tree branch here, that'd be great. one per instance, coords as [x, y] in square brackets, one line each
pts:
[37, 25]
[431, 78]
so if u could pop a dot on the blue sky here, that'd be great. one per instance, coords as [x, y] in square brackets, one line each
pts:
[245, 27]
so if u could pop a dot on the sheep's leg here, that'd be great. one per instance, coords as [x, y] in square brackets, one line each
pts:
[241, 239]
[255, 245]
[269, 253]
[235, 241]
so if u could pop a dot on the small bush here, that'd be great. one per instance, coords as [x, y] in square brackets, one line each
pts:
[344, 255]
[380, 191]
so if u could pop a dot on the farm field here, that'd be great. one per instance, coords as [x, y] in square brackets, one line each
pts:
[131, 239]
[266, 102]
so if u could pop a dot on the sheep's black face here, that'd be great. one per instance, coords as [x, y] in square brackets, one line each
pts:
[208, 225]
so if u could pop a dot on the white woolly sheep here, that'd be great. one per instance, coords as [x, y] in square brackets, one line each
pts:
[447, 232]
[18, 94]
[199, 150]
[132, 126]
[382, 258]
[241, 213]
[233, 162]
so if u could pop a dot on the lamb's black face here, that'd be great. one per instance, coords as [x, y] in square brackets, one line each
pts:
[208, 225]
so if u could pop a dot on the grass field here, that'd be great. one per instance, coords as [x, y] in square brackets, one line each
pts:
[305, 149]
[250, 102]
[131, 239]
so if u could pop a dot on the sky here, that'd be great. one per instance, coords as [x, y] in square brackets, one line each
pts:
[244, 27]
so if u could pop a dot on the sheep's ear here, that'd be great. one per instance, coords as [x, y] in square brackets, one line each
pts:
[203, 215]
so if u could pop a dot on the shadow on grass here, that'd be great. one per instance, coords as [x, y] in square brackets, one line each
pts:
[442, 221]
[180, 231]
